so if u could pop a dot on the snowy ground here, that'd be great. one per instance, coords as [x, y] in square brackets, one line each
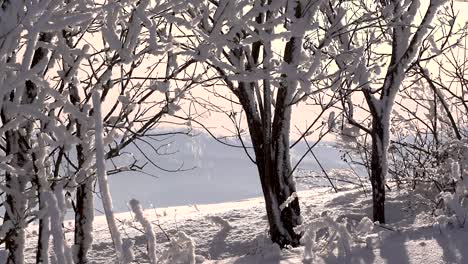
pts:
[235, 232]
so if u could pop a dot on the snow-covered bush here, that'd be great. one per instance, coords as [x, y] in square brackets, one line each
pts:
[181, 250]
[454, 169]
[335, 236]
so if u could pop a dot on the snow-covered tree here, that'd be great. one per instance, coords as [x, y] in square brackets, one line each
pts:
[133, 65]
[271, 55]
[54, 55]
[431, 111]
[26, 40]
[379, 75]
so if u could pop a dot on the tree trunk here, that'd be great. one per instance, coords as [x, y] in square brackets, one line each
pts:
[379, 168]
[19, 146]
[269, 131]
[42, 251]
[281, 220]
[84, 216]
[84, 209]
[274, 168]
[15, 203]
[279, 188]
[32, 90]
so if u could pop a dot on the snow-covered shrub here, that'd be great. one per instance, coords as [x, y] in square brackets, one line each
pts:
[335, 235]
[180, 251]
[454, 169]
[338, 237]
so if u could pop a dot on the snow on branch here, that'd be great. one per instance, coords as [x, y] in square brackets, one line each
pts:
[102, 178]
[150, 236]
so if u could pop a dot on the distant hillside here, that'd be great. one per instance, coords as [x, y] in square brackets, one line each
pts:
[220, 173]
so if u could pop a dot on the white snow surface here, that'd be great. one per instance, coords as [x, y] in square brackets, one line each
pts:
[236, 232]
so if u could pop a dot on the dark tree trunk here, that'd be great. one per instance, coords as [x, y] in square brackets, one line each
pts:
[269, 131]
[44, 230]
[84, 216]
[84, 207]
[282, 222]
[378, 169]
[32, 91]
[15, 202]
[84, 211]
[274, 168]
